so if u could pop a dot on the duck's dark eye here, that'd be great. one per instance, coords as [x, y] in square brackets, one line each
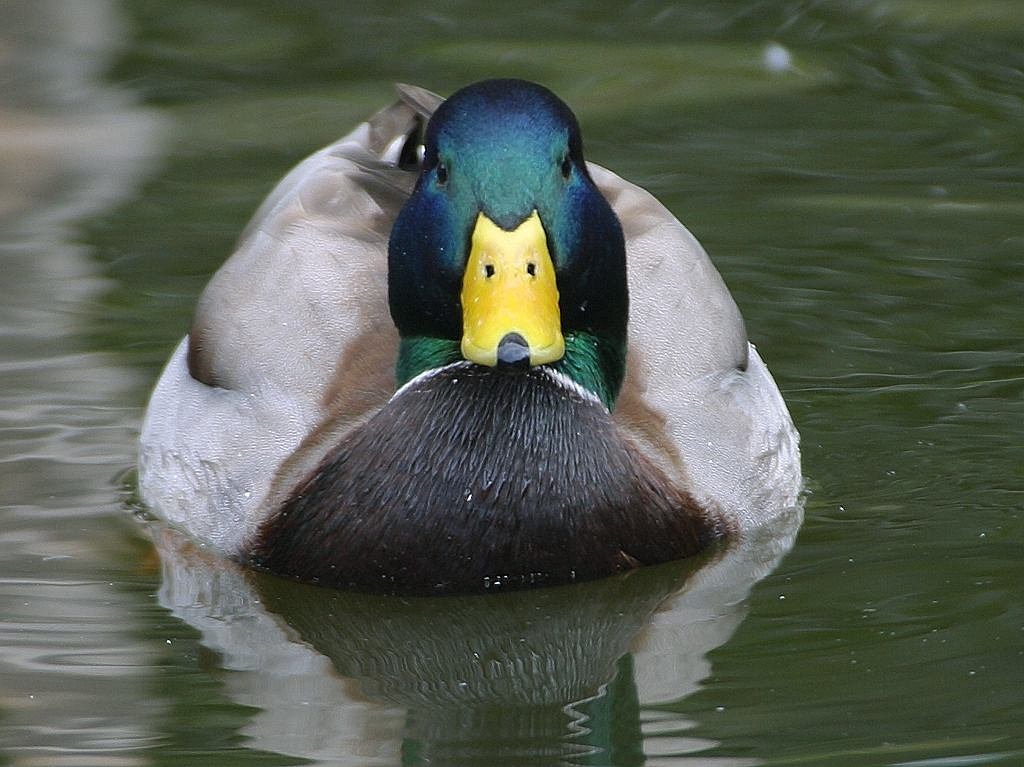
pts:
[566, 167]
[442, 173]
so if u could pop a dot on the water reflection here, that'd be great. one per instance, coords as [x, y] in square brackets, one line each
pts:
[546, 676]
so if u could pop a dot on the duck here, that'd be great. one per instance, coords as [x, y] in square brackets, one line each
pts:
[450, 355]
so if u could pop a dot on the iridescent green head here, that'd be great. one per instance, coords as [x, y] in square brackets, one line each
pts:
[506, 253]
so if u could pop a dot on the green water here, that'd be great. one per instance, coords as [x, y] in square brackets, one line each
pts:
[865, 205]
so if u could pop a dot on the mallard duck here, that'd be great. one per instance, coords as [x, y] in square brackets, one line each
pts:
[449, 355]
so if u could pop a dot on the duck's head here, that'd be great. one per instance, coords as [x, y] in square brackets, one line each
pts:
[506, 254]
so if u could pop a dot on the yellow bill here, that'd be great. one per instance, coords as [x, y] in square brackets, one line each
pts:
[509, 288]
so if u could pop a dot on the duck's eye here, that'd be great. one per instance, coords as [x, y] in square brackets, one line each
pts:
[442, 173]
[488, 270]
[566, 167]
[531, 269]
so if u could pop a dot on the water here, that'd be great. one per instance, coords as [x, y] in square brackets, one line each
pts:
[856, 171]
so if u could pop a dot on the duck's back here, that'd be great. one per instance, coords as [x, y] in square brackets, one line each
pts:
[292, 327]
[697, 395]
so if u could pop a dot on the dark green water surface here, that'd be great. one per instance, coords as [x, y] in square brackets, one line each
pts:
[855, 170]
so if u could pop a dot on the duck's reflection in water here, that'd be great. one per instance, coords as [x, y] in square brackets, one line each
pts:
[549, 676]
